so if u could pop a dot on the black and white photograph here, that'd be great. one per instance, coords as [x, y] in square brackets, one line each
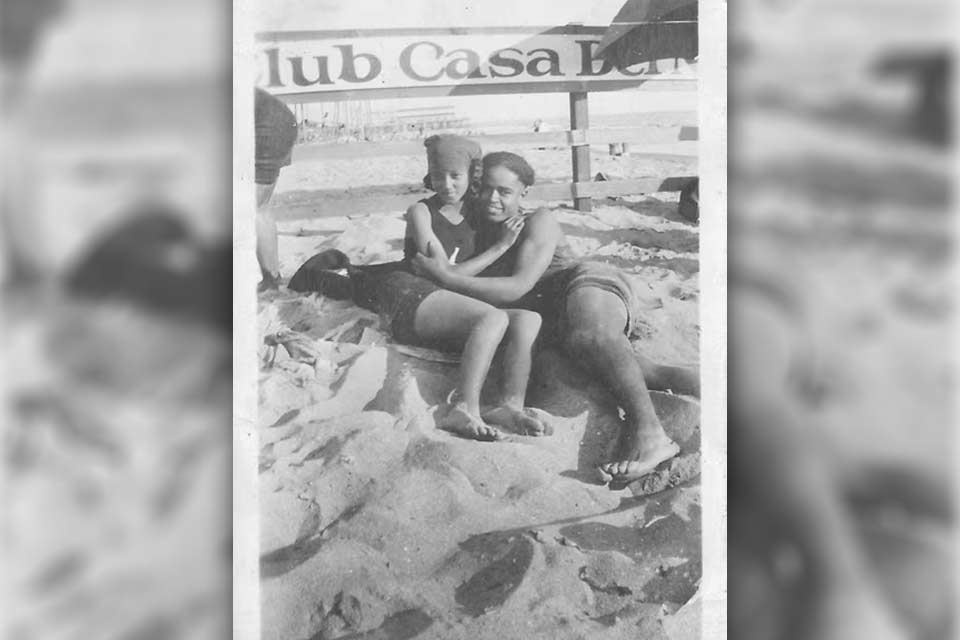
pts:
[473, 377]
[330, 320]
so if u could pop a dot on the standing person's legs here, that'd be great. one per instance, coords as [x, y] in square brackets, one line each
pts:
[268, 253]
[594, 336]
[275, 129]
[445, 316]
[517, 361]
[264, 191]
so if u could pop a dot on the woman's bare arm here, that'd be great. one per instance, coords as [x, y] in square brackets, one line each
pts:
[419, 228]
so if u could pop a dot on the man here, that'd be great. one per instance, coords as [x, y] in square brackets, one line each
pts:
[276, 133]
[587, 308]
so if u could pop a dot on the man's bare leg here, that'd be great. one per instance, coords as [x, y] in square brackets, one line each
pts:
[668, 377]
[595, 339]
[517, 361]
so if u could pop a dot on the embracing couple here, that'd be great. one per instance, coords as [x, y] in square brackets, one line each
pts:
[481, 274]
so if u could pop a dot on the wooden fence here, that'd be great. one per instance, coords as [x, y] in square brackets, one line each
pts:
[646, 141]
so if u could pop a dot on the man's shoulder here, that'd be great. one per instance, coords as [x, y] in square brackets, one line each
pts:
[542, 223]
[540, 213]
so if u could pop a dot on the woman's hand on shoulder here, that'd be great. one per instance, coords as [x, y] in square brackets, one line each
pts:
[510, 230]
[540, 222]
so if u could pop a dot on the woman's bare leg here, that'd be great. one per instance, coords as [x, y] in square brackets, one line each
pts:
[477, 326]
[517, 361]
[268, 255]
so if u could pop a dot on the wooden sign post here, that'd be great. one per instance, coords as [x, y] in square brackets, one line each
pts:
[579, 121]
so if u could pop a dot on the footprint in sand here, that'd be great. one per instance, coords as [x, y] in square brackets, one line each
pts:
[497, 578]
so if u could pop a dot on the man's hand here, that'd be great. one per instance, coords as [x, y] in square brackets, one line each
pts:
[434, 265]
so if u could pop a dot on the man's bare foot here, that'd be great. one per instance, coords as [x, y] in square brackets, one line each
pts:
[636, 456]
[463, 423]
[522, 421]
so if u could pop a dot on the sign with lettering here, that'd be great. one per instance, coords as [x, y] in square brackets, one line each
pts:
[334, 65]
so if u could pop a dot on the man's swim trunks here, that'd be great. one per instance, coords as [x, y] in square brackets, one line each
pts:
[549, 296]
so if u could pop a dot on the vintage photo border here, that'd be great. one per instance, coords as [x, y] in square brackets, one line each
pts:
[712, 107]
[246, 502]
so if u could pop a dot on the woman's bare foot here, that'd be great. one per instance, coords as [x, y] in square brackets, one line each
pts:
[637, 455]
[463, 423]
[543, 417]
[522, 421]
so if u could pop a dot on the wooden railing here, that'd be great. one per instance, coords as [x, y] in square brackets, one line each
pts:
[610, 135]
[647, 141]
[574, 190]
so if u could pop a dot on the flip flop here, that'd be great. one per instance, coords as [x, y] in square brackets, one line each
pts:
[632, 476]
[668, 474]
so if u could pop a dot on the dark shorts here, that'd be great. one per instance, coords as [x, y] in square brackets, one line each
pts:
[549, 296]
[394, 294]
[275, 130]
[389, 289]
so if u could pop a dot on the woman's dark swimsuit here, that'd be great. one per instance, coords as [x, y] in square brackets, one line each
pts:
[392, 290]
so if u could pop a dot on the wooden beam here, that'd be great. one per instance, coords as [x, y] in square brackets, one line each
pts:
[626, 187]
[567, 190]
[335, 34]
[640, 83]
[580, 119]
[641, 135]
[309, 151]
[633, 135]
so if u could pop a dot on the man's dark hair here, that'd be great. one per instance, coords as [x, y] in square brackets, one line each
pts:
[510, 161]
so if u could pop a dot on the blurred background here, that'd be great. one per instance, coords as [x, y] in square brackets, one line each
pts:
[842, 223]
[116, 217]
[116, 222]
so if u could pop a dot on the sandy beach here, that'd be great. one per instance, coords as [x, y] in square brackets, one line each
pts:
[376, 524]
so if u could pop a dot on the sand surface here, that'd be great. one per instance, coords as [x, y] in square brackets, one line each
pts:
[375, 524]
